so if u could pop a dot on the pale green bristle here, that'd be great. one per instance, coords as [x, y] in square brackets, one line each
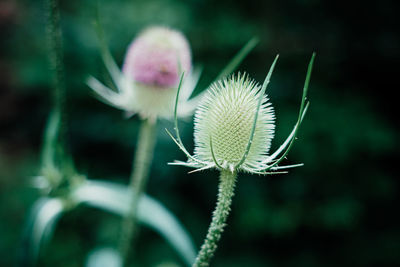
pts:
[226, 115]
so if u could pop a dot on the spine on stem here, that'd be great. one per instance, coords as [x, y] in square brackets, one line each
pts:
[220, 215]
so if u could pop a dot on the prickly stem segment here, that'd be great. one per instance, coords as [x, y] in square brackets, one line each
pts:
[218, 222]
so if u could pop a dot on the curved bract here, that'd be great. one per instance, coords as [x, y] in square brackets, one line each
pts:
[113, 198]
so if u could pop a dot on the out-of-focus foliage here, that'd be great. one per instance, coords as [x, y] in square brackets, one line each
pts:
[340, 209]
[110, 197]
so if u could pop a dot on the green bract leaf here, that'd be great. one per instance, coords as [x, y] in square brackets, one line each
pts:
[108, 59]
[41, 224]
[303, 109]
[115, 198]
[262, 92]
[235, 61]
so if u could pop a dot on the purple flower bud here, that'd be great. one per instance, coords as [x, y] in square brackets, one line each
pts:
[156, 57]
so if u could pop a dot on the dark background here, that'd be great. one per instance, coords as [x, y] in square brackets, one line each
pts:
[340, 209]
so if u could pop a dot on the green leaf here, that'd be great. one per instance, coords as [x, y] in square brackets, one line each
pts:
[41, 224]
[115, 198]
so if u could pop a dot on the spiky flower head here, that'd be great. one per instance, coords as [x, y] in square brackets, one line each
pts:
[224, 120]
[234, 126]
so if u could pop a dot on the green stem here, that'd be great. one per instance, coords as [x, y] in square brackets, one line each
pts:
[220, 215]
[55, 54]
[140, 172]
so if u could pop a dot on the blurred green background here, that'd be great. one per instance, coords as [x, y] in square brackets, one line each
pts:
[340, 209]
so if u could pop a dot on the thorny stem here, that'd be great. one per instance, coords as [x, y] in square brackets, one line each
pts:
[218, 222]
[140, 172]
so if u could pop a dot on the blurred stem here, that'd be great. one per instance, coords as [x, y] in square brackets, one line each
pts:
[140, 172]
[57, 117]
[220, 215]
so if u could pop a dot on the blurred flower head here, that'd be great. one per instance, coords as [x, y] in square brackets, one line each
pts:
[153, 58]
[153, 66]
